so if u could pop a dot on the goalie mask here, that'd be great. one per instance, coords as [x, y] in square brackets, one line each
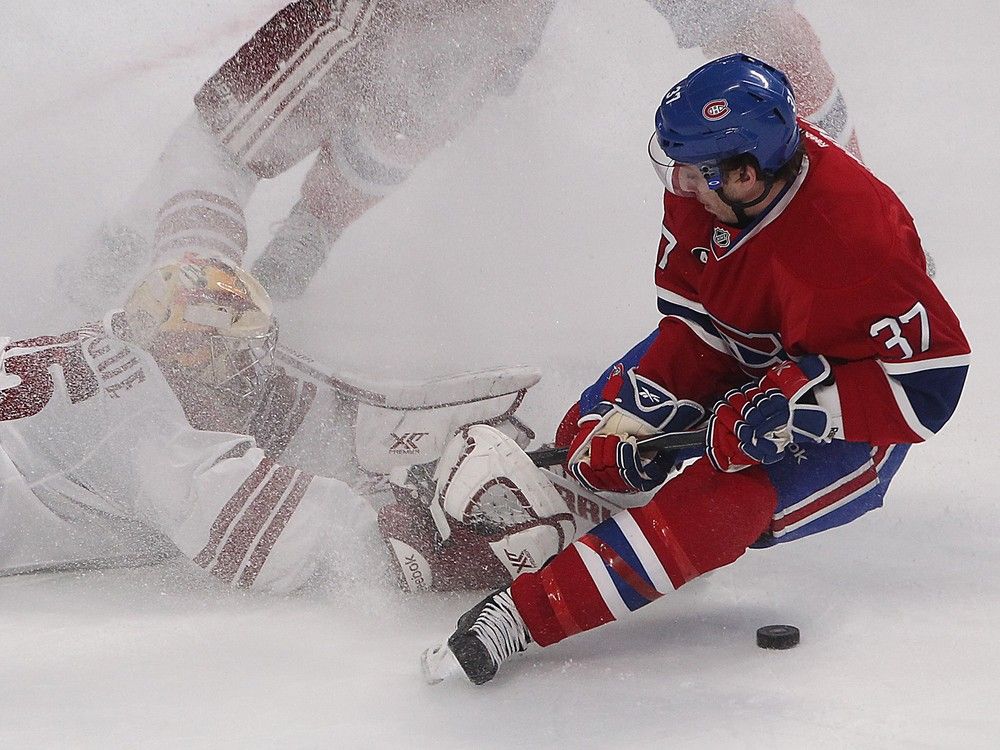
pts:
[206, 320]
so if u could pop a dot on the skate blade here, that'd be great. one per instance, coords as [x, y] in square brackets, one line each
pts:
[438, 663]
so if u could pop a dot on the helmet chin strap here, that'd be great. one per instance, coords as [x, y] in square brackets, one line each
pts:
[739, 207]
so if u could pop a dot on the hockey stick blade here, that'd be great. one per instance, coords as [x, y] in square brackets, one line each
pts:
[666, 441]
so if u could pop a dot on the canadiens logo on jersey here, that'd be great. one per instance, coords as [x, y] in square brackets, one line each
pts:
[755, 351]
[715, 110]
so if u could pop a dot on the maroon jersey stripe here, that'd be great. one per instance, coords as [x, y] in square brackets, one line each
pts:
[195, 216]
[263, 58]
[250, 524]
[230, 510]
[303, 81]
[199, 196]
[277, 525]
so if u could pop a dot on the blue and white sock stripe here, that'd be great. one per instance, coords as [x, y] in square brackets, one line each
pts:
[601, 577]
[625, 539]
[649, 563]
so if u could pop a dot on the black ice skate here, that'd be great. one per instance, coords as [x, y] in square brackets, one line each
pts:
[486, 636]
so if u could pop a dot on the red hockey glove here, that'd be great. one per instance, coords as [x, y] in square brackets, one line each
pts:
[754, 424]
[604, 455]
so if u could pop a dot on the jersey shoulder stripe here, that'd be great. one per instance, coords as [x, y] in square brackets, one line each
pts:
[692, 314]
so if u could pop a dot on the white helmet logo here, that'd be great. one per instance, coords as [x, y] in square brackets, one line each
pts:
[715, 110]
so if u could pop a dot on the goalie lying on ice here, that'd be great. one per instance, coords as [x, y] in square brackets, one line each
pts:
[170, 427]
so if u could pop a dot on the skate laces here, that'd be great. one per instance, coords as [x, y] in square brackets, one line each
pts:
[500, 628]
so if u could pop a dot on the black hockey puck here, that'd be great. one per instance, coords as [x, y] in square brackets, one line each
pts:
[778, 636]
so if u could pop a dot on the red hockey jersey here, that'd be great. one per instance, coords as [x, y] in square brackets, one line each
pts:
[835, 267]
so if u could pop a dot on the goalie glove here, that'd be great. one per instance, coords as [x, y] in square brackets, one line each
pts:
[755, 424]
[604, 454]
[493, 516]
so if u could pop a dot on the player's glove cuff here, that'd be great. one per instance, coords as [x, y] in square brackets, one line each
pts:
[604, 454]
[655, 405]
[797, 381]
[756, 423]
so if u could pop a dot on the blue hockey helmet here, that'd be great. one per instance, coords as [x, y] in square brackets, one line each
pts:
[729, 107]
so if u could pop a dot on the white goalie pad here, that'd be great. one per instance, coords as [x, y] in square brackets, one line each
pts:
[484, 480]
[399, 424]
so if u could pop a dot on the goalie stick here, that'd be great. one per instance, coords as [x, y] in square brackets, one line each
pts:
[665, 441]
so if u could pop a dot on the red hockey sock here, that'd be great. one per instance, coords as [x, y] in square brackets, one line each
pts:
[699, 521]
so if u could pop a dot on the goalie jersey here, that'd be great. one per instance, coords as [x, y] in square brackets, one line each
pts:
[99, 465]
[796, 281]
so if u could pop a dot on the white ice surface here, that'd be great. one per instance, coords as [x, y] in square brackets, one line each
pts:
[529, 239]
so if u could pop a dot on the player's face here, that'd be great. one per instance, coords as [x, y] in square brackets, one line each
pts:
[738, 186]
[693, 181]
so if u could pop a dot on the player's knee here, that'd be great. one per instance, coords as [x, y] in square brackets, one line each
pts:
[713, 517]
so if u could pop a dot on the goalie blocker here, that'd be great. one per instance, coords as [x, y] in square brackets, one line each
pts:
[493, 515]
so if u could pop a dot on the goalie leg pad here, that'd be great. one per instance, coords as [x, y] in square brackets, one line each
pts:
[493, 516]
[422, 562]
[485, 480]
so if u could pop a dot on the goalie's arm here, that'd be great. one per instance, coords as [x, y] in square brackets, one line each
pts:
[248, 520]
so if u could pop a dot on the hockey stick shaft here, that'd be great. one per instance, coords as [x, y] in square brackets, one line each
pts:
[666, 441]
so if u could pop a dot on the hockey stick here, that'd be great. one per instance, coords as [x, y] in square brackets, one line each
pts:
[590, 506]
[664, 442]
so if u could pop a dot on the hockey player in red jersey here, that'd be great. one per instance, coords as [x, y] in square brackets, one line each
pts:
[799, 324]
[368, 88]
[178, 425]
